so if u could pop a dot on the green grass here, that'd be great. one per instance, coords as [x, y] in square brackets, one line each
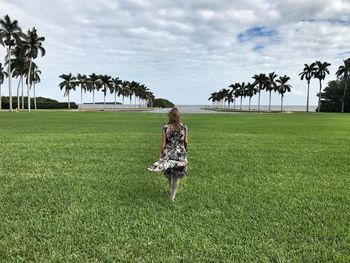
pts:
[261, 188]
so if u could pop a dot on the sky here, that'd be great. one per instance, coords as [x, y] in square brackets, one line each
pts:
[184, 50]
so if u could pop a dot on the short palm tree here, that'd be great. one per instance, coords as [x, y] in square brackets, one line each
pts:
[116, 89]
[283, 87]
[260, 81]
[233, 88]
[67, 84]
[308, 73]
[344, 74]
[249, 91]
[240, 91]
[9, 33]
[106, 83]
[3, 75]
[271, 86]
[95, 83]
[33, 45]
[82, 81]
[320, 74]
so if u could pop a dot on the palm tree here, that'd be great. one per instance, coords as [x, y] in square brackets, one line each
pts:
[344, 73]
[95, 82]
[125, 89]
[213, 97]
[116, 89]
[82, 81]
[67, 84]
[19, 66]
[9, 33]
[233, 88]
[308, 73]
[3, 75]
[271, 86]
[229, 97]
[283, 87]
[239, 92]
[33, 45]
[261, 81]
[320, 74]
[106, 83]
[249, 91]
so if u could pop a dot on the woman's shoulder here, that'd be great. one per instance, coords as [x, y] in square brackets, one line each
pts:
[165, 126]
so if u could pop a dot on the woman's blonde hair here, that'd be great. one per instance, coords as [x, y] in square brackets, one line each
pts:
[174, 118]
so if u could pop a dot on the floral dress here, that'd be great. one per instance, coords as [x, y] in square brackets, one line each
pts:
[173, 160]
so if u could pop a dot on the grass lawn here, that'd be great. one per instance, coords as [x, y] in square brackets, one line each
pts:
[261, 188]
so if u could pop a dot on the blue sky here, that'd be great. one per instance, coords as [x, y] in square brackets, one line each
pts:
[184, 50]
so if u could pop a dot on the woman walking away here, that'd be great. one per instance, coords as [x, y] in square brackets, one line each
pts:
[173, 151]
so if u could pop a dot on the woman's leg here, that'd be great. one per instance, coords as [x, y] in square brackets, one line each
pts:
[174, 182]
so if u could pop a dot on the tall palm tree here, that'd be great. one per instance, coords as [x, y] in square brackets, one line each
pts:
[67, 84]
[9, 33]
[19, 66]
[308, 73]
[320, 74]
[344, 74]
[229, 97]
[283, 87]
[82, 81]
[33, 45]
[3, 75]
[213, 97]
[249, 91]
[261, 81]
[271, 86]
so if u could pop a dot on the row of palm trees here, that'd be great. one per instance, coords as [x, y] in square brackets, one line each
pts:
[106, 83]
[319, 70]
[21, 51]
[261, 82]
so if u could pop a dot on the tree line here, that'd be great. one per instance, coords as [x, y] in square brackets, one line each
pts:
[270, 83]
[21, 51]
[105, 83]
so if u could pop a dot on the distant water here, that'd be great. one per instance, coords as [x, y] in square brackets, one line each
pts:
[199, 108]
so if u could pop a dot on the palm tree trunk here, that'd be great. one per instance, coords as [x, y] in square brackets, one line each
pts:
[115, 99]
[343, 102]
[135, 101]
[241, 102]
[68, 101]
[81, 96]
[9, 77]
[28, 84]
[234, 103]
[123, 99]
[307, 96]
[319, 97]
[104, 98]
[22, 95]
[281, 102]
[18, 100]
[34, 96]
[259, 101]
[93, 98]
[250, 98]
[130, 102]
[270, 101]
